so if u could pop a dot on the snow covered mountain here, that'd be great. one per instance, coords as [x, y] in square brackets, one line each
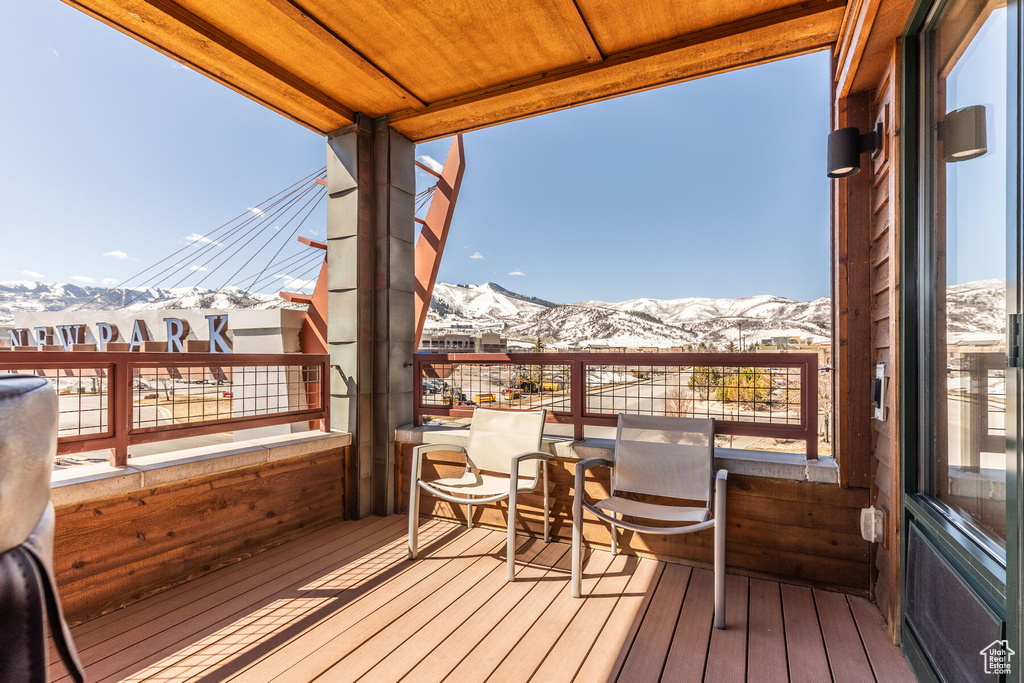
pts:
[638, 322]
[26, 296]
[974, 309]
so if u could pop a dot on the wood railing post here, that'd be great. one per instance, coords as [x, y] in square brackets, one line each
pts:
[809, 406]
[121, 396]
[578, 378]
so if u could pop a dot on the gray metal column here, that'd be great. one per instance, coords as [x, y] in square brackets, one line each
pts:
[371, 327]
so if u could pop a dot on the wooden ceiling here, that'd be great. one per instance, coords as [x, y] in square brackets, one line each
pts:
[438, 67]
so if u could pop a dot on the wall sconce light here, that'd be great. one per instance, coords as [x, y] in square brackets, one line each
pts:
[963, 134]
[845, 147]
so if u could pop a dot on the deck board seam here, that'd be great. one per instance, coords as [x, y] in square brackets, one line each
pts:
[493, 547]
[368, 595]
[84, 653]
[232, 617]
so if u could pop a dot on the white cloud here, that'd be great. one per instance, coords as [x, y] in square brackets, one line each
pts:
[32, 273]
[118, 254]
[55, 53]
[517, 272]
[177, 265]
[290, 283]
[430, 162]
[83, 278]
[200, 268]
[277, 227]
[109, 281]
[477, 255]
[314, 233]
[179, 65]
[203, 239]
[256, 211]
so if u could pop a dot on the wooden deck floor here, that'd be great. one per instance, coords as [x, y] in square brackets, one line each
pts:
[344, 604]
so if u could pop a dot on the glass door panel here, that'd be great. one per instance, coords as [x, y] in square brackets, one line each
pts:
[964, 242]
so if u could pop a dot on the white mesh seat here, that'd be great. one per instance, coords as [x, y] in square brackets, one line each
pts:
[661, 513]
[673, 457]
[503, 458]
[477, 484]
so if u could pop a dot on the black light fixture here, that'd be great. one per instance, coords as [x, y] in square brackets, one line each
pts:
[845, 147]
[963, 134]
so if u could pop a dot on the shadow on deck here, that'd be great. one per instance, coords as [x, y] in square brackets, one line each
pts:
[345, 604]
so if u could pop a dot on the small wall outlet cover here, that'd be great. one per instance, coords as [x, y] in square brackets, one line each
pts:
[872, 525]
[878, 391]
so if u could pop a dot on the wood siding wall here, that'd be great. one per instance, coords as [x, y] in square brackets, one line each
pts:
[114, 551]
[778, 528]
[885, 281]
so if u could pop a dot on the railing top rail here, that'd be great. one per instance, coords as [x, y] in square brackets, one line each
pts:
[48, 359]
[652, 359]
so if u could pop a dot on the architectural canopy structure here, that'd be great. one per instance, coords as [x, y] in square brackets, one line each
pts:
[439, 67]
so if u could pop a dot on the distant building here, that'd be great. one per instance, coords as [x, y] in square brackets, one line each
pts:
[460, 342]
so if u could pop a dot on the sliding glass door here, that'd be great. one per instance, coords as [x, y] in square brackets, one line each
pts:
[961, 342]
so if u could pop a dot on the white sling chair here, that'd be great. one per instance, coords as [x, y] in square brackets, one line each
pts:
[660, 456]
[497, 440]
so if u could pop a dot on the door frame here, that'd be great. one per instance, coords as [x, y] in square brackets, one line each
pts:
[997, 586]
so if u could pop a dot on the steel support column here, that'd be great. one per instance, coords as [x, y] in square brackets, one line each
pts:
[371, 328]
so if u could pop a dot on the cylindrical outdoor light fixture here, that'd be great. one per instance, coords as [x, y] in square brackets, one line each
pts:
[845, 147]
[963, 134]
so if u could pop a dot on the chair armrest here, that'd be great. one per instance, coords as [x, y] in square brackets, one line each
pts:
[418, 451]
[584, 465]
[532, 455]
[428, 447]
[513, 475]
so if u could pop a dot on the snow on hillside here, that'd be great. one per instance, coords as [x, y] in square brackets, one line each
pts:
[973, 308]
[24, 296]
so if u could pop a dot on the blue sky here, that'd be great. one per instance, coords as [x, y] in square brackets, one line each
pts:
[709, 188]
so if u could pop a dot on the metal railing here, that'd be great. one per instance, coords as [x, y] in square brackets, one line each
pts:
[110, 400]
[769, 395]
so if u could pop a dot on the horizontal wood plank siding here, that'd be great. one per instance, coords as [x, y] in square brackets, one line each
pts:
[114, 551]
[884, 341]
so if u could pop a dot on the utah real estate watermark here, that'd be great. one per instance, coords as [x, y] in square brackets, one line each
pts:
[996, 656]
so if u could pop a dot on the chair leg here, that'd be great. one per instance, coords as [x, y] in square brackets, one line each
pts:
[510, 548]
[414, 517]
[720, 554]
[577, 536]
[469, 516]
[614, 530]
[547, 505]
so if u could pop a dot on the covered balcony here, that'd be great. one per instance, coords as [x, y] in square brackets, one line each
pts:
[280, 553]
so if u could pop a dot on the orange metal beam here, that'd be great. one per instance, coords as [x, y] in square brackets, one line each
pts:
[297, 297]
[316, 244]
[434, 234]
[313, 335]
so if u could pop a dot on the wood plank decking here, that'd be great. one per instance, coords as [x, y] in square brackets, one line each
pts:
[344, 604]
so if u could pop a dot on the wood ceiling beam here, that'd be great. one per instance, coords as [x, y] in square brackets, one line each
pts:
[331, 40]
[787, 32]
[219, 78]
[580, 30]
[194, 23]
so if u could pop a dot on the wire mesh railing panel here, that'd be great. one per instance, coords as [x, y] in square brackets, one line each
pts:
[767, 394]
[510, 386]
[768, 399]
[166, 395]
[83, 397]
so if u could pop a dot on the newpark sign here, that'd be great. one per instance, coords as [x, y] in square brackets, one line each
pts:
[108, 336]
